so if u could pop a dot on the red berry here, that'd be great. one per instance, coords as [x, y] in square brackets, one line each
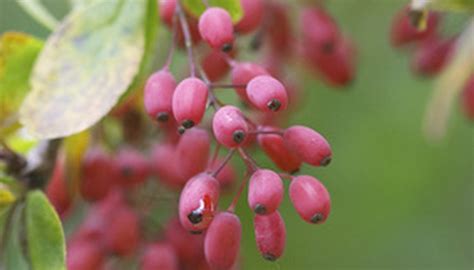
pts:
[467, 98]
[189, 102]
[188, 247]
[241, 75]
[320, 31]
[198, 202]
[167, 9]
[98, 173]
[122, 234]
[84, 255]
[310, 199]
[432, 55]
[279, 27]
[265, 192]
[159, 256]
[222, 241]
[158, 95]
[215, 65]
[253, 14]
[229, 126]
[193, 30]
[226, 176]
[165, 164]
[267, 94]
[193, 152]
[270, 234]
[57, 191]
[274, 146]
[133, 167]
[216, 28]
[404, 32]
[309, 145]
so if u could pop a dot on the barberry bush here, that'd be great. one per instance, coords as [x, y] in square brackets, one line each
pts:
[181, 134]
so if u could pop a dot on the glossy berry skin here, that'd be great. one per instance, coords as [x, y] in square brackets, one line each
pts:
[123, 233]
[310, 199]
[158, 95]
[216, 28]
[229, 126]
[404, 32]
[193, 152]
[98, 175]
[132, 167]
[253, 14]
[84, 255]
[198, 202]
[467, 98]
[159, 256]
[189, 102]
[265, 192]
[242, 74]
[432, 55]
[270, 235]
[308, 144]
[57, 191]
[222, 241]
[323, 33]
[274, 147]
[267, 93]
[167, 9]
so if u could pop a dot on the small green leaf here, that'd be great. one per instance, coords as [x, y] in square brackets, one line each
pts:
[18, 52]
[197, 7]
[86, 65]
[12, 255]
[45, 236]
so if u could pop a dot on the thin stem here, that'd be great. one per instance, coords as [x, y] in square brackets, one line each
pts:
[233, 204]
[214, 156]
[249, 161]
[273, 132]
[286, 176]
[224, 162]
[213, 100]
[187, 38]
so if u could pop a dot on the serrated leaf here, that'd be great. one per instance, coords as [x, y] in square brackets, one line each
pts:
[18, 52]
[45, 236]
[197, 7]
[12, 256]
[84, 68]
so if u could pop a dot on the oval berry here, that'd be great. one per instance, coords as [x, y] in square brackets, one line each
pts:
[167, 9]
[242, 74]
[165, 164]
[188, 247]
[57, 191]
[431, 55]
[159, 256]
[189, 102]
[253, 14]
[310, 199]
[265, 191]
[198, 202]
[308, 144]
[267, 93]
[229, 126]
[193, 152]
[132, 167]
[215, 65]
[404, 32]
[98, 171]
[323, 35]
[274, 147]
[158, 95]
[85, 255]
[222, 241]
[216, 28]
[270, 235]
[123, 235]
[227, 174]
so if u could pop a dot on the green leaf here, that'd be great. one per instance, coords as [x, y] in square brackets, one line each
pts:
[45, 236]
[85, 66]
[36, 10]
[18, 52]
[12, 256]
[197, 7]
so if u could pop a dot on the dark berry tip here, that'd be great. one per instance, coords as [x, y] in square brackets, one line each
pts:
[181, 130]
[195, 217]
[274, 105]
[227, 47]
[187, 124]
[238, 136]
[328, 47]
[260, 209]
[127, 171]
[317, 218]
[163, 117]
[326, 161]
[269, 257]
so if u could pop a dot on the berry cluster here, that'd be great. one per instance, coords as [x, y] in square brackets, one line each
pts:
[432, 49]
[200, 135]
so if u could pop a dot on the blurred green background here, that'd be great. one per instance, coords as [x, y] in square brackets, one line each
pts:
[399, 201]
